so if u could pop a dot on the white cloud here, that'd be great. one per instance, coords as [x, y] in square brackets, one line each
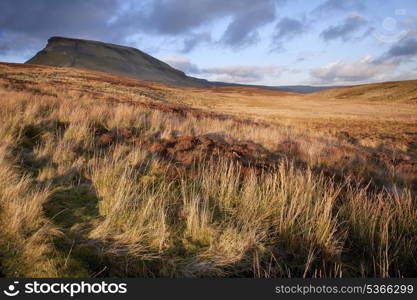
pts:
[235, 73]
[182, 63]
[244, 73]
[363, 70]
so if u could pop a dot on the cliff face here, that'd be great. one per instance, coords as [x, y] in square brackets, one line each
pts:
[104, 57]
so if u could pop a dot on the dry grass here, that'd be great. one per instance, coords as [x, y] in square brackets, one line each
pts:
[85, 192]
[26, 235]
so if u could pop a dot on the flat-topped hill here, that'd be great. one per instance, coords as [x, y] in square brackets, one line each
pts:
[110, 58]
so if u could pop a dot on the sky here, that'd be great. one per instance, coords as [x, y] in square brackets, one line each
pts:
[268, 42]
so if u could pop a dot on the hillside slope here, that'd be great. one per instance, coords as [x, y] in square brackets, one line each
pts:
[397, 91]
[110, 58]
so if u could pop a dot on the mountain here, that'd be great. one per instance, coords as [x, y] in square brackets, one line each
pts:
[129, 62]
[111, 58]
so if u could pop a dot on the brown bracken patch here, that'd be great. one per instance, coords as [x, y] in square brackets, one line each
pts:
[187, 151]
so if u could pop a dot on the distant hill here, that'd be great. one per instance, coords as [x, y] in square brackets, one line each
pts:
[400, 91]
[304, 89]
[130, 62]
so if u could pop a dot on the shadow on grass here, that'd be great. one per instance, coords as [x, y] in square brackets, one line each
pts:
[74, 210]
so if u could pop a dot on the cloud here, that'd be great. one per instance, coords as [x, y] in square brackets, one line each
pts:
[234, 74]
[345, 30]
[26, 25]
[185, 17]
[243, 73]
[404, 48]
[171, 17]
[243, 28]
[194, 40]
[331, 6]
[362, 70]
[183, 64]
[402, 51]
[47, 17]
[286, 29]
[118, 21]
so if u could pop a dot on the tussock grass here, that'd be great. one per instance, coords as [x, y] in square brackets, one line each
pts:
[26, 236]
[73, 206]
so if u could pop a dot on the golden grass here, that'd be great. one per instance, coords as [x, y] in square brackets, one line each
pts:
[374, 115]
[73, 205]
[26, 235]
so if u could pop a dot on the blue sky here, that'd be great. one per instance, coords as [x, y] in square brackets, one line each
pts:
[271, 42]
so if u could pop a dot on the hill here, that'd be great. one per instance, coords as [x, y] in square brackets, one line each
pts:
[130, 62]
[110, 58]
[393, 91]
[304, 89]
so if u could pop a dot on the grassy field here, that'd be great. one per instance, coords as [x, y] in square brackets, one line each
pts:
[108, 176]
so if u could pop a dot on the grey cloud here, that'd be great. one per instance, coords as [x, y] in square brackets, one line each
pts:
[185, 17]
[175, 17]
[331, 6]
[193, 40]
[117, 21]
[403, 42]
[26, 25]
[48, 17]
[243, 28]
[406, 47]
[401, 52]
[344, 30]
[286, 29]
